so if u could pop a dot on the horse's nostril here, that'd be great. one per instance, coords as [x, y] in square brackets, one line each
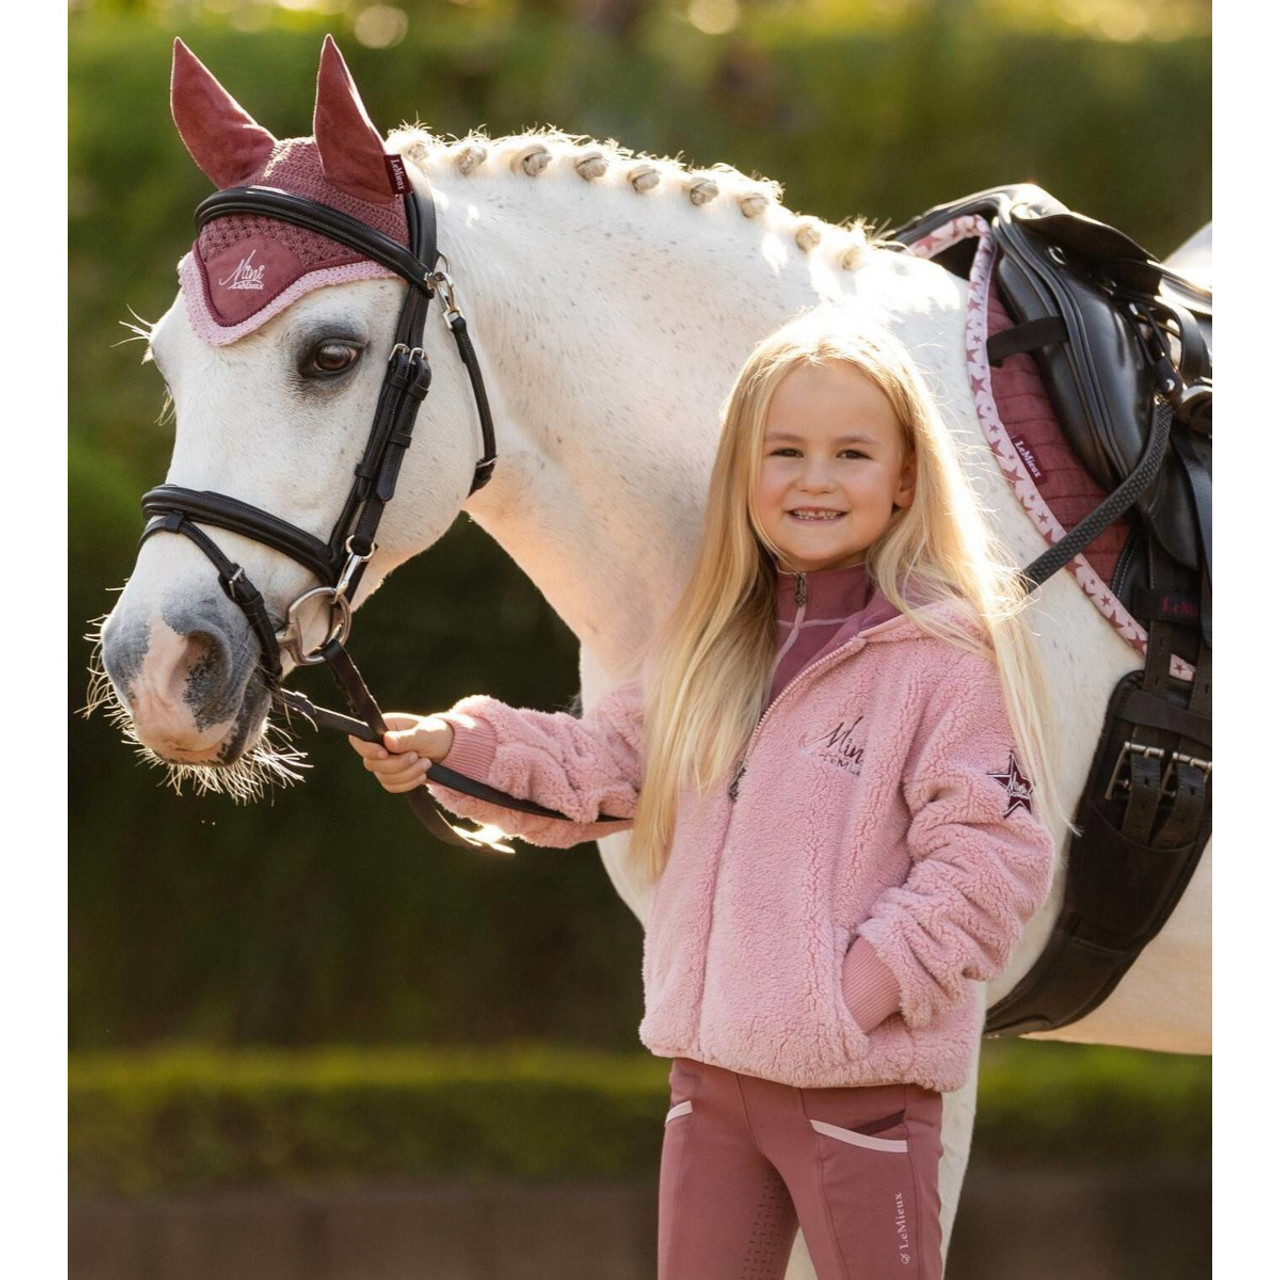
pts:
[204, 667]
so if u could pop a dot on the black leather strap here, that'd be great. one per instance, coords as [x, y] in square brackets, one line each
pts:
[270, 202]
[484, 468]
[1026, 337]
[239, 517]
[233, 580]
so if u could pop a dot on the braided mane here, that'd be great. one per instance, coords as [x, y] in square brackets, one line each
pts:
[550, 151]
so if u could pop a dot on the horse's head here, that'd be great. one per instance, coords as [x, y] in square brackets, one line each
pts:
[274, 354]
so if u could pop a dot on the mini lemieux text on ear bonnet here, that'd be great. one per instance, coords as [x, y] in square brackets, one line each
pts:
[242, 270]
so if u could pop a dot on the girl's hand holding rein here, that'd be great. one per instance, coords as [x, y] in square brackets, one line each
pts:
[411, 743]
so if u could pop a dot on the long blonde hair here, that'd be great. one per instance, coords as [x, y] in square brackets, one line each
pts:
[708, 667]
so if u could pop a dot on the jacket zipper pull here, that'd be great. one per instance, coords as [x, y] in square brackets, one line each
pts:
[733, 786]
[802, 590]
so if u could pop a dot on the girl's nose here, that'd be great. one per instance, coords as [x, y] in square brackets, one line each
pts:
[817, 476]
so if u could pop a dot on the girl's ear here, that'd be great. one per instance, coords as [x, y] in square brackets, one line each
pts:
[906, 493]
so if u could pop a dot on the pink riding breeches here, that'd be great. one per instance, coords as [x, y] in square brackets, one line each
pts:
[745, 1161]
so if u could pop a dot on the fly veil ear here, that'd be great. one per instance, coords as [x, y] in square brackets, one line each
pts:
[222, 137]
[230, 146]
[351, 149]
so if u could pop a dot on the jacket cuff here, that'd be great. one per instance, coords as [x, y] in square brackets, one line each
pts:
[474, 745]
[870, 989]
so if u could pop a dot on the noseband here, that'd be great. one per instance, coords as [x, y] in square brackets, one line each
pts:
[340, 562]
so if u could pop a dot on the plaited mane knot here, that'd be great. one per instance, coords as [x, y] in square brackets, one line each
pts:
[644, 177]
[593, 165]
[701, 189]
[531, 160]
[469, 157]
[808, 234]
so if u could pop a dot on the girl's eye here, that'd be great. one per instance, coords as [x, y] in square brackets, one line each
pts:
[328, 358]
[857, 453]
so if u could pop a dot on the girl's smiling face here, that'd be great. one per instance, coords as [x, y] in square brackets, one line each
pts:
[832, 443]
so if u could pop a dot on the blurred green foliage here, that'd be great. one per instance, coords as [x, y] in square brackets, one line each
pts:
[325, 914]
[187, 1118]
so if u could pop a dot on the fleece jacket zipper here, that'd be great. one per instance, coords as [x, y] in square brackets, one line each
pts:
[801, 595]
[786, 689]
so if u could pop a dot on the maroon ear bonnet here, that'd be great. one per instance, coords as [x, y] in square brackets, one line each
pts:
[244, 269]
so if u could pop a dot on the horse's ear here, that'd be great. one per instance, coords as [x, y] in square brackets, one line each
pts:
[351, 149]
[223, 138]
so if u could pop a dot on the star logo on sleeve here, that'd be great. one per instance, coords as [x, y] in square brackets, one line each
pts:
[1016, 785]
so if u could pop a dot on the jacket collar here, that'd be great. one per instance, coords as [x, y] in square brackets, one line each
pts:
[839, 593]
[829, 593]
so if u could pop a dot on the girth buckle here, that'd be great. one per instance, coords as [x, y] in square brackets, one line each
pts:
[1129, 748]
[1176, 758]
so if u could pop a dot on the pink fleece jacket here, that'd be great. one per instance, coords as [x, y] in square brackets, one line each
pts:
[825, 917]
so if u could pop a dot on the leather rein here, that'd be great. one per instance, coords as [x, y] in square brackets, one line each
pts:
[339, 563]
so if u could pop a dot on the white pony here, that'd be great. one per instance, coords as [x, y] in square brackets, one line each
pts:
[612, 299]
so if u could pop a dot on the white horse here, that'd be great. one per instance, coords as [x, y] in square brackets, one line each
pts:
[612, 299]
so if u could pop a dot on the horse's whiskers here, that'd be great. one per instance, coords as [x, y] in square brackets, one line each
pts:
[272, 762]
[141, 332]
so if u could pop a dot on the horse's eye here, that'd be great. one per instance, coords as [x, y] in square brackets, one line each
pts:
[331, 357]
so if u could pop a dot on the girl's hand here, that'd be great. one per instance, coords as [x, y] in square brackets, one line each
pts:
[410, 743]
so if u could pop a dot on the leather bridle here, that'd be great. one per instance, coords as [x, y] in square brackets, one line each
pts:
[339, 563]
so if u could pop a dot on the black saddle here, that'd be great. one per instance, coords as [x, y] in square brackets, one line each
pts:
[1107, 325]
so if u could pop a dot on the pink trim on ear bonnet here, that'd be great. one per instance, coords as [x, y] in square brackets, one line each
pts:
[243, 270]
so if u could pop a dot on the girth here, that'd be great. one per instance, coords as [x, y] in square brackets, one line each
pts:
[339, 562]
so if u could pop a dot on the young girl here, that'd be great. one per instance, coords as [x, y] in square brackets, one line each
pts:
[828, 758]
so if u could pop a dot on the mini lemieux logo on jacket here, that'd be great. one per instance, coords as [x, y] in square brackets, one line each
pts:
[839, 745]
[1016, 784]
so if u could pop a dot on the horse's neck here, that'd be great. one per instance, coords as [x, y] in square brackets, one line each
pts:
[611, 326]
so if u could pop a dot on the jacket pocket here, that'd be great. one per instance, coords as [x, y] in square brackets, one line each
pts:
[855, 1038]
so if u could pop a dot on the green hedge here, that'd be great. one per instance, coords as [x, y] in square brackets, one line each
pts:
[188, 1118]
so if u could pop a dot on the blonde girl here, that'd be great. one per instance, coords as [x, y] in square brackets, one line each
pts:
[837, 770]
